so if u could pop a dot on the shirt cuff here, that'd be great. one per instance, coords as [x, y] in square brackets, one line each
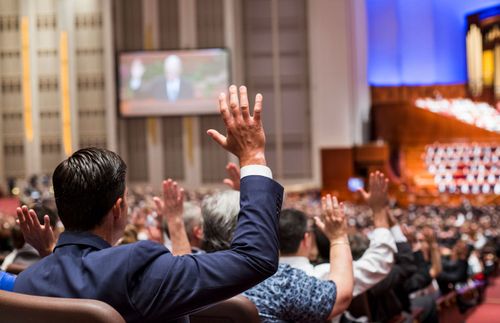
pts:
[259, 170]
[398, 234]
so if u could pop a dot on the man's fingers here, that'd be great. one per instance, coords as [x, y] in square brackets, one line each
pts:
[46, 221]
[386, 185]
[371, 181]
[257, 109]
[233, 171]
[175, 188]
[245, 106]
[21, 219]
[180, 196]
[25, 211]
[234, 104]
[29, 219]
[364, 193]
[319, 223]
[159, 204]
[220, 139]
[228, 182]
[168, 191]
[34, 218]
[224, 109]
[20, 215]
[335, 202]
[164, 189]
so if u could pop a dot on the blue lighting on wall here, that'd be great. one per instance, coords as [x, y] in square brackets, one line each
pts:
[418, 42]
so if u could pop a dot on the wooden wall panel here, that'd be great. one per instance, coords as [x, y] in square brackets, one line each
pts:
[338, 166]
[391, 94]
[402, 124]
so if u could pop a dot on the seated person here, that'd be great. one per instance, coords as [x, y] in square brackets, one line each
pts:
[143, 281]
[23, 255]
[290, 294]
[454, 267]
[193, 222]
[296, 237]
[374, 263]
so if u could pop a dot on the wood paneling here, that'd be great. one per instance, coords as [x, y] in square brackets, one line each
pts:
[402, 124]
[392, 94]
[337, 167]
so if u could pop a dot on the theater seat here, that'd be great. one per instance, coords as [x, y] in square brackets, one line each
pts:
[20, 308]
[238, 309]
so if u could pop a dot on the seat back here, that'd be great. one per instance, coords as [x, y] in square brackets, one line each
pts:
[21, 308]
[360, 307]
[238, 309]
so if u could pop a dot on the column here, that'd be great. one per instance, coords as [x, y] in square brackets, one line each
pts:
[29, 85]
[109, 75]
[154, 138]
[191, 125]
[330, 66]
[233, 38]
[67, 77]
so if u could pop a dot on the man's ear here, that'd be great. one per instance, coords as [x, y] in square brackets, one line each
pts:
[307, 240]
[198, 232]
[117, 208]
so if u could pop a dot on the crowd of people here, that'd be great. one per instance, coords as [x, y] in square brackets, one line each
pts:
[479, 114]
[301, 257]
[466, 168]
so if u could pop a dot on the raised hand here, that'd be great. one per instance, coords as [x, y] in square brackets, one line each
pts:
[429, 235]
[245, 136]
[377, 197]
[41, 237]
[333, 220]
[172, 207]
[233, 173]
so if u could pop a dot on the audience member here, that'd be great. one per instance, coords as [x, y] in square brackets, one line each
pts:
[290, 294]
[143, 280]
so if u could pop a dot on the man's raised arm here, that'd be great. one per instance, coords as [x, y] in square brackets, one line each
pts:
[194, 281]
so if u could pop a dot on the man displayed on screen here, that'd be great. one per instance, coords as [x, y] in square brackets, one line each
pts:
[171, 86]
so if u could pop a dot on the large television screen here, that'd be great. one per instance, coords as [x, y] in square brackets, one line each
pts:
[184, 82]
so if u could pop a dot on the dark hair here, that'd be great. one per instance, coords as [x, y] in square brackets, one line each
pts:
[86, 185]
[17, 237]
[293, 226]
[323, 245]
[41, 209]
[359, 243]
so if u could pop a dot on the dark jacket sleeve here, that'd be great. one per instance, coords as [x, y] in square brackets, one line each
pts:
[170, 287]
[403, 268]
[421, 278]
[453, 271]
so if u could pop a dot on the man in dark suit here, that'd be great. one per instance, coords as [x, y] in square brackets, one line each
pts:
[170, 86]
[144, 281]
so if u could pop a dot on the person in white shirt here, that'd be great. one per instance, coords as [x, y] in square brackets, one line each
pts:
[296, 237]
[377, 260]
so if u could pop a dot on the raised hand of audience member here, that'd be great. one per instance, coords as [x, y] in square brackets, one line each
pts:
[377, 199]
[41, 237]
[245, 136]
[233, 174]
[333, 223]
[171, 207]
[435, 254]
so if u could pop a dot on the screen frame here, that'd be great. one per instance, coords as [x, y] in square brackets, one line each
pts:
[118, 81]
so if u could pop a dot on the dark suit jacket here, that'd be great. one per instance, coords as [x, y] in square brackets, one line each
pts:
[383, 298]
[146, 283]
[157, 89]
